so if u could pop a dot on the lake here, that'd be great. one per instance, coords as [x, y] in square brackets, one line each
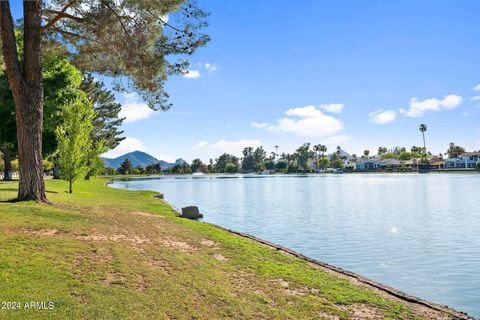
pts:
[417, 233]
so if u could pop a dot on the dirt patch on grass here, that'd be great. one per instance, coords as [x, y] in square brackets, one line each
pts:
[137, 240]
[293, 290]
[160, 264]
[210, 244]
[243, 282]
[177, 244]
[42, 232]
[146, 214]
[360, 311]
[219, 257]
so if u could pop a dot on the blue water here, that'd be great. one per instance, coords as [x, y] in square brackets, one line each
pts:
[417, 233]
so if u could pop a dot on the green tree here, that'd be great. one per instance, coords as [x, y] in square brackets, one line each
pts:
[454, 151]
[281, 165]
[61, 82]
[116, 38]
[366, 153]
[405, 156]
[270, 165]
[248, 161]
[73, 137]
[107, 121]
[222, 161]
[324, 162]
[336, 161]
[382, 150]
[126, 167]
[259, 156]
[210, 167]
[231, 168]
[183, 168]
[94, 161]
[198, 166]
[106, 134]
[302, 154]
[153, 168]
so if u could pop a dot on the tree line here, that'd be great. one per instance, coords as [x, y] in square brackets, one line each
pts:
[305, 159]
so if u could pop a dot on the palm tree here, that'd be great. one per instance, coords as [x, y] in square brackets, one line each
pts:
[323, 149]
[320, 148]
[423, 129]
[366, 153]
[316, 148]
[276, 151]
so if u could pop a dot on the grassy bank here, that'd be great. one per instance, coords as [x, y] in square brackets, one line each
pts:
[103, 253]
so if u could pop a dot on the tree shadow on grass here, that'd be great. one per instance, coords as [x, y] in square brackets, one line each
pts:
[16, 190]
[14, 200]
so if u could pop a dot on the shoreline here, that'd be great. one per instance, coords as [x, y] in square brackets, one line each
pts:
[352, 276]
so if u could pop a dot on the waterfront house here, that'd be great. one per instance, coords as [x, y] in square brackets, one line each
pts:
[467, 160]
[368, 164]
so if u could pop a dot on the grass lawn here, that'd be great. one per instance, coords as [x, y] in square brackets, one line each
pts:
[103, 253]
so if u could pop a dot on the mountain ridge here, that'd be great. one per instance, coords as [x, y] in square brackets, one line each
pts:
[139, 158]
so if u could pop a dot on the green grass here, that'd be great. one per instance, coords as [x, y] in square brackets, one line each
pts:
[97, 254]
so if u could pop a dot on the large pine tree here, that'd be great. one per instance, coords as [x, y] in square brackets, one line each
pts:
[106, 134]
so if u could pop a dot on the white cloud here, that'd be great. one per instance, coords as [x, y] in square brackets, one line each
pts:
[336, 140]
[200, 145]
[304, 112]
[259, 125]
[419, 107]
[207, 150]
[134, 109]
[308, 121]
[210, 67]
[476, 98]
[333, 107]
[382, 117]
[128, 145]
[477, 88]
[165, 157]
[192, 74]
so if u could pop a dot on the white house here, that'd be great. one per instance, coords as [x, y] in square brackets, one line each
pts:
[467, 160]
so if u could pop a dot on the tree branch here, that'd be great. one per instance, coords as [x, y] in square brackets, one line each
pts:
[60, 14]
[166, 23]
[119, 20]
[66, 34]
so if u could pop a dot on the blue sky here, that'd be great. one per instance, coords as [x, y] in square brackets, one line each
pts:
[277, 72]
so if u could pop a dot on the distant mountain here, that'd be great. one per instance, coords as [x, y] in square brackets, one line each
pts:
[139, 158]
[165, 164]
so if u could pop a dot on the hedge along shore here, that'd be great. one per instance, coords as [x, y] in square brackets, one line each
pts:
[388, 291]
[104, 253]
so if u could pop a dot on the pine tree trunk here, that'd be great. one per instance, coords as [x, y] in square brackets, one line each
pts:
[7, 161]
[27, 90]
[70, 189]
